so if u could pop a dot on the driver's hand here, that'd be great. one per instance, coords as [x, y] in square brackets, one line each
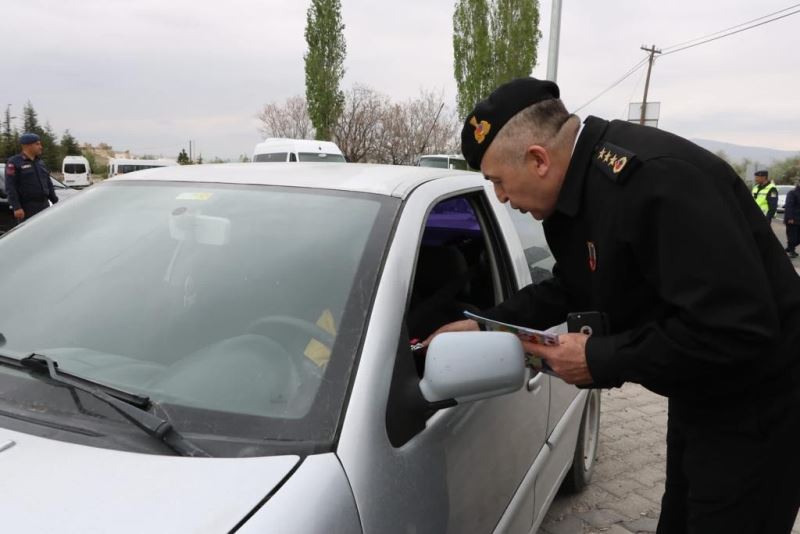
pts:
[19, 214]
[466, 325]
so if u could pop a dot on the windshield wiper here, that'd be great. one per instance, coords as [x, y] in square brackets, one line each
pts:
[129, 405]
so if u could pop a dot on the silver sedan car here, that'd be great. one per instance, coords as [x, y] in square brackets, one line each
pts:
[234, 348]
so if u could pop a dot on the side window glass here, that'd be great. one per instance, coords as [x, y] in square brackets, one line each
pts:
[456, 266]
[537, 254]
[292, 157]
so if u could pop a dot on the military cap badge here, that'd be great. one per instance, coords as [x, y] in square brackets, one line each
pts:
[482, 129]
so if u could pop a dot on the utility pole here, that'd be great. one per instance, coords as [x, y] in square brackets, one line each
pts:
[555, 34]
[653, 51]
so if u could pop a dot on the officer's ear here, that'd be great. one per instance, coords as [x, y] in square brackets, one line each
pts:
[538, 160]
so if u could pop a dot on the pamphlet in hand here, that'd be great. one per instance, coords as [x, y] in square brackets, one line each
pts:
[525, 334]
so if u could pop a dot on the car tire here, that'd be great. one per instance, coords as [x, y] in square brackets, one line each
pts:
[583, 461]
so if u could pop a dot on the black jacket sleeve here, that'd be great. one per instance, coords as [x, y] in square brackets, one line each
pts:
[772, 203]
[537, 306]
[694, 241]
[12, 173]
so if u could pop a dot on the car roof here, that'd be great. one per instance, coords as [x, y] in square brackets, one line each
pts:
[388, 180]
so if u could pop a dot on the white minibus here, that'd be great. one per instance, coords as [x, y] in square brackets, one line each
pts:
[301, 150]
[76, 171]
[124, 166]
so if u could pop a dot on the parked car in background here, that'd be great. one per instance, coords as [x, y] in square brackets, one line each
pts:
[444, 161]
[117, 166]
[76, 171]
[7, 221]
[279, 149]
[261, 321]
[782, 192]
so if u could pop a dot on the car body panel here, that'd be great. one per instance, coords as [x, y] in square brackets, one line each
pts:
[492, 465]
[320, 480]
[63, 487]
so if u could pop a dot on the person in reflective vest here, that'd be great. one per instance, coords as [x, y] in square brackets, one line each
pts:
[765, 194]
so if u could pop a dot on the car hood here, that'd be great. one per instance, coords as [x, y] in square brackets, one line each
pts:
[53, 486]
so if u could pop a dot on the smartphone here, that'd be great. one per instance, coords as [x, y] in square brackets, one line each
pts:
[588, 322]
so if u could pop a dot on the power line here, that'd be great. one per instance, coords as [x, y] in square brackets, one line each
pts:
[732, 27]
[731, 33]
[613, 85]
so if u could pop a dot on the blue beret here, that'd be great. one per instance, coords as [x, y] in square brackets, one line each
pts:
[28, 138]
[490, 115]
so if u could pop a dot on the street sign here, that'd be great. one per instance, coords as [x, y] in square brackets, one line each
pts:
[651, 113]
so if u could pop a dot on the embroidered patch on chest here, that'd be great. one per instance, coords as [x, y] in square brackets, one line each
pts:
[592, 256]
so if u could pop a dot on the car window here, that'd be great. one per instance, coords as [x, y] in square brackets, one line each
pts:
[456, 267]
[74, 168]
[537, 253]
[236, 306]
[271, 157]
[320, 157]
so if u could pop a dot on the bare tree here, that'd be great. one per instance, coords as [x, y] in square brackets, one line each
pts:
[288, 120]
[419, 126]
[358, 132]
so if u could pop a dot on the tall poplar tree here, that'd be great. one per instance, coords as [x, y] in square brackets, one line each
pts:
[472, 51]
[324, 65]
[494, 41]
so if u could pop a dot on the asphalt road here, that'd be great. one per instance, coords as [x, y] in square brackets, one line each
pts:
[625, 494]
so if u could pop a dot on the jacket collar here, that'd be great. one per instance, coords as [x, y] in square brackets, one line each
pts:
[569, 199]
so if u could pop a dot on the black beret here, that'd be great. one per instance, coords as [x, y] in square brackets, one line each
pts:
[28, 138]
[490, 115]
[761, 173]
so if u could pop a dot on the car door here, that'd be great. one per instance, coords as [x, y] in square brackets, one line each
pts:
[461, 469]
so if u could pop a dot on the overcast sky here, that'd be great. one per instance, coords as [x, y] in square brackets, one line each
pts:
[148, 75]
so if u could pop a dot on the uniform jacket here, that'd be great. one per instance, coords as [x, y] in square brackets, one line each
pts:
[766, 196]
[791, 209]
[28, 181]
[665, 238]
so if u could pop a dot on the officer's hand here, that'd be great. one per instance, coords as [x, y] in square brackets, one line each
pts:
[567, 359]
[467, 325]
[19, 214]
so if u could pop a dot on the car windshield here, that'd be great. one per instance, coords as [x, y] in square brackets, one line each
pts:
[235, 307]
[321, 156]
[439, 163]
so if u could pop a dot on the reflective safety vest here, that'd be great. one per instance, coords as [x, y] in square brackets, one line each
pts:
[761, 196]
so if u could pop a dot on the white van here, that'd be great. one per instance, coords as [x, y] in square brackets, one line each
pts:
[124, 166]
[282, 149]
[444, 161]
[76, 171]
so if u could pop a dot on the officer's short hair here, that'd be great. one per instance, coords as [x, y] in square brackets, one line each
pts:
[538, 124]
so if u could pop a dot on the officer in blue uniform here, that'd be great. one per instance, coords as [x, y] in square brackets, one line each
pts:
[28, 182]
[629, 212]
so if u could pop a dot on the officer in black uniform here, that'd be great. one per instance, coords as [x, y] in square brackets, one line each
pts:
[629, 212]
[28, 182]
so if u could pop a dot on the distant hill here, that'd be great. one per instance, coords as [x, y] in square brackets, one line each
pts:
[761, 156]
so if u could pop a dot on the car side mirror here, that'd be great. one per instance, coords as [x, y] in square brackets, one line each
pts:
[468, 366]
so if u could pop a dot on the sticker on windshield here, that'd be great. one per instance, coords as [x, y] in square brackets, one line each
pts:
[194, 196]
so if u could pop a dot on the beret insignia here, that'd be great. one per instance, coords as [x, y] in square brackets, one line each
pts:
[615, 162]
[482, 129]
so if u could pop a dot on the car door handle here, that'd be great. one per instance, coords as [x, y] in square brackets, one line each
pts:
[535, 382]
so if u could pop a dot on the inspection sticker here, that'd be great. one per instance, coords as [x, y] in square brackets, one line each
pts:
[194, 196]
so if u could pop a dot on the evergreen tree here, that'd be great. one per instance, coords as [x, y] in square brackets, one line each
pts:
[9, 137]
[324, 65]
[183, 158]
[69, 146]
[30, 120]
[494, 41]
[51, 151]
